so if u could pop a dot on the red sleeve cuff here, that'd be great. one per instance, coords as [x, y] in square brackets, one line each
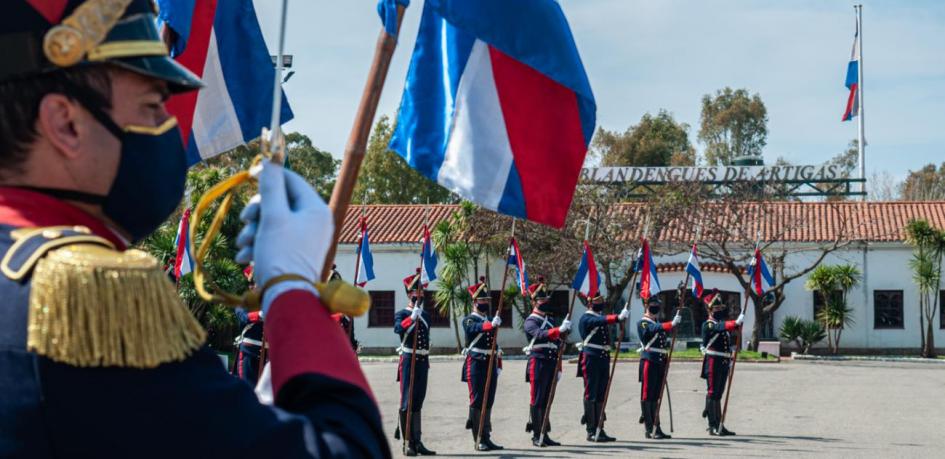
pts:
[611, 318]
[668, 326]
[304, 339]
[730, 325]
[486, 326]
[336, 317]
[554, 333]
[406, 322]
[253, 316]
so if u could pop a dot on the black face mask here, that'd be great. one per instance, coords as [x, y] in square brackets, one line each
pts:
[654, 310]
[482, 308]
[597, 307]
[546, 307]
[152, 173]
[718, 315]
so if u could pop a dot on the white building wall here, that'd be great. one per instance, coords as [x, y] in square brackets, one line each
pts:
[886, 268]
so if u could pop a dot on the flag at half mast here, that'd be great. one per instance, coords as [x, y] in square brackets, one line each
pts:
[497, 107]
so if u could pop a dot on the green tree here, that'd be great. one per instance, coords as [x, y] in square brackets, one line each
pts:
[928, 249]
[734, 125]
[387, 179]
[655, 141]
[835, 315]
[315, 165]
[925, 184]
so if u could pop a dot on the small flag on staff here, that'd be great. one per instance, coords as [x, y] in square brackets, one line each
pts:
[497, 107]
[183, 262]
[221, 42]
[649, 280]
[761, 278]
[587, 281]
[695, 272]
[517, 261]
[428, 256]
[853, 79]
[366, 267]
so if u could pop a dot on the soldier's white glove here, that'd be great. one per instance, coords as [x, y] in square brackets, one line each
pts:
[624, 314]
[559, 376]
[498, 372]
[496, 321]
[565, 326]
[416, 313]
[288, 230]
[740, 320]
[677, 320]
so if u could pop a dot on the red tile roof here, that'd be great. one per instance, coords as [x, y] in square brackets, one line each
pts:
[807, 221]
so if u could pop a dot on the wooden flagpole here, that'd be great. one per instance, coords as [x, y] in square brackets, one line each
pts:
[357, 139]
[495, 341]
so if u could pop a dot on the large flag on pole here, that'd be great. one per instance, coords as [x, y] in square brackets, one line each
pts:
[853, 78]
[695, 272]
[428, 258]
[220, 41]
[366, 263]
[587, 280]
[497, 107]
[649, 279]
[517, 261]
[183, 261]
[761, 278]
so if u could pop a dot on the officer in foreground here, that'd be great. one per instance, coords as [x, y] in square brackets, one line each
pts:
[717, 342]
[594, 362]
[98, 356]
[412, 325]
[480, 333]
[655, 348]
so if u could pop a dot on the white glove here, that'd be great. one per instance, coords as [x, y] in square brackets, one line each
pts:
[264, 386]
[288, 231]
[498, 372]
[496, 321]
[559, 376]
[677, 320]
[740, 319]
[565, 326]
[624, 314]
[417, 310]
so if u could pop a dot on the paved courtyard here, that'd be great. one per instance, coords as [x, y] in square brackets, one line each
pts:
[795, 409]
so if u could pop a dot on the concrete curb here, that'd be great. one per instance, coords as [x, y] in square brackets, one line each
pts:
[862, 358]
[571, 359]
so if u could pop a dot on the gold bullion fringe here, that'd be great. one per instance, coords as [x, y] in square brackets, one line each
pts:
[118, 311]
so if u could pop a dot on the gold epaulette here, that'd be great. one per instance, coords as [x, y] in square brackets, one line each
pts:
[92, 306]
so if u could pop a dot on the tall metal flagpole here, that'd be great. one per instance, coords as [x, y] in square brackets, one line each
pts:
[861, 140]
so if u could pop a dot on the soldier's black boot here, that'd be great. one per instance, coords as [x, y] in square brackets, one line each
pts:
[722, 431]
[409, 447]
[545, 439]
[713, 417]
[599, 411]
[647, 418]
[473, 424]
[590, 420]
[657, 432]
[534, 424]
[487, 434]
[416, 431]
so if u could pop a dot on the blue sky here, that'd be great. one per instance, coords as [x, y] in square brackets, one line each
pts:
[642, 56]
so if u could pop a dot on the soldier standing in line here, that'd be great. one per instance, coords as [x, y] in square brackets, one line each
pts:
[653, 363]
[542, 350]
[480, 332]
[717, 342]
[594, 362]
[409, 321]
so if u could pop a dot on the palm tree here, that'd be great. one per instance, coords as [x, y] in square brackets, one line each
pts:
[928, 249]
[451, 298]
[836, 314]
[822, 282]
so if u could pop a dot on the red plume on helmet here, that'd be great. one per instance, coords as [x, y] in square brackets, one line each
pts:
[712, 298]
[480, 290]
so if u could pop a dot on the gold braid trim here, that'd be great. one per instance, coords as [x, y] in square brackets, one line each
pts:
[94, 307]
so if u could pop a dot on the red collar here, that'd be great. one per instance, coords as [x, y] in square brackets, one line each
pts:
[26, 208]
